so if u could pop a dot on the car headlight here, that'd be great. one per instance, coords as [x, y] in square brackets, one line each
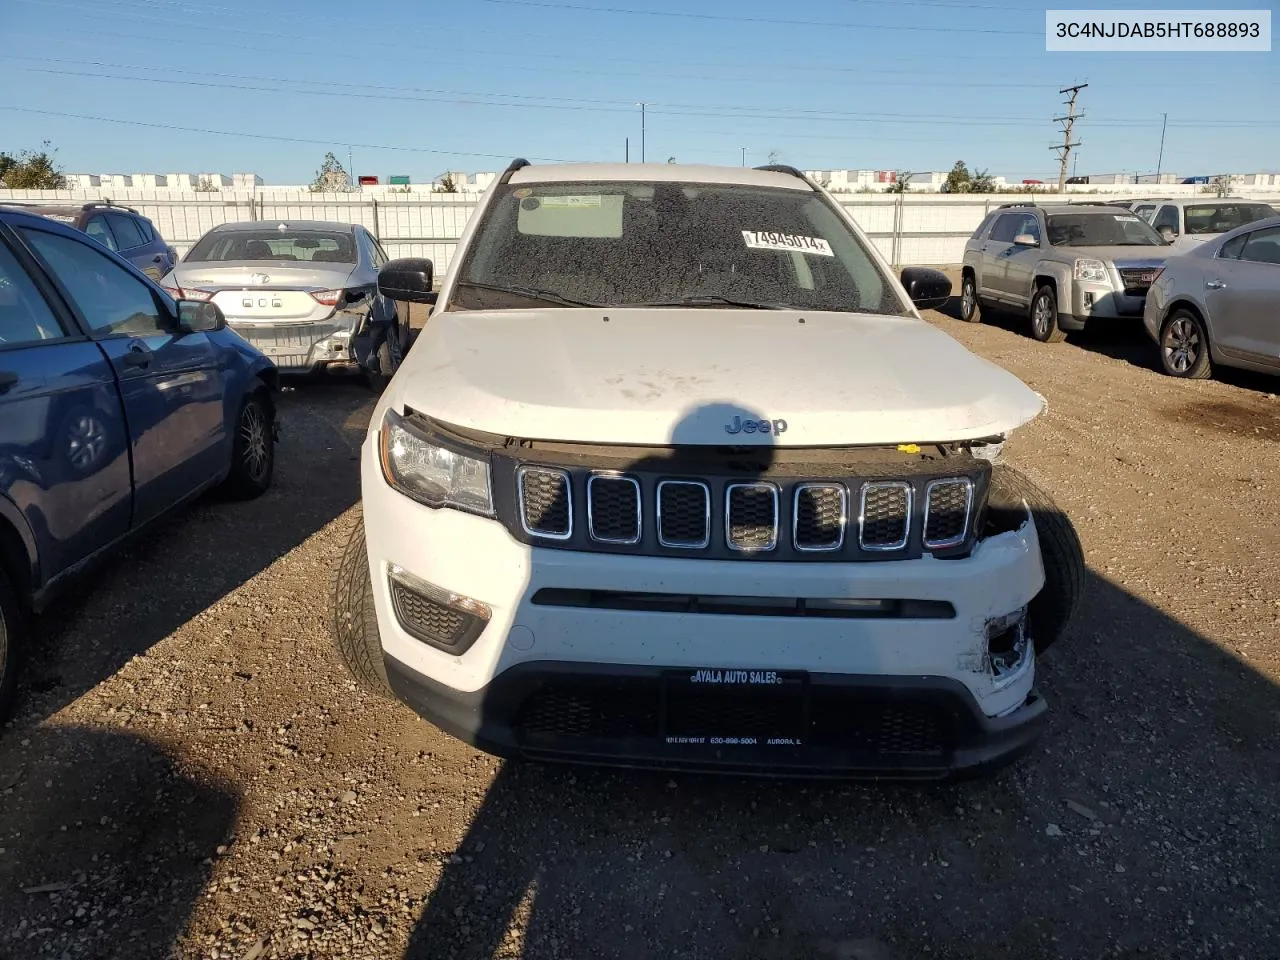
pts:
[1094, 270]
[430, 473]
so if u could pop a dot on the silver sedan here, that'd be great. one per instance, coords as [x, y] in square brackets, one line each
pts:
[305, 293]
[1219, 303]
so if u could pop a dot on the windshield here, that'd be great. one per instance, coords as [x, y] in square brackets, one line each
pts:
[314, 246]
[668, 244]
[1221, 217]
[1101, 230]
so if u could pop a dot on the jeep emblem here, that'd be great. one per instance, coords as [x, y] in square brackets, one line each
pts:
[756, 426]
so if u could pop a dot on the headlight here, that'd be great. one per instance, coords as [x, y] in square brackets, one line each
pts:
[430, 473]
[1094, 270]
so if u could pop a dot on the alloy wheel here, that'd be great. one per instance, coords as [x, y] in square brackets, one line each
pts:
[1181, 344]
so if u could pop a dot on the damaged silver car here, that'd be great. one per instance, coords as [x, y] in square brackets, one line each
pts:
[305, 293]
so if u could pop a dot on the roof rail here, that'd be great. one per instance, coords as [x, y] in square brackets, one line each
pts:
[783, 168]
[107, 203]
[519, 163]
[1017, 203]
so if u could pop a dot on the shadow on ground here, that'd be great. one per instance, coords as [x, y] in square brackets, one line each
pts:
[155, 830]
[1145, 824]
[201, 553]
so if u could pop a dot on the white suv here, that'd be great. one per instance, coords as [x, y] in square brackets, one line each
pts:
[676, 476]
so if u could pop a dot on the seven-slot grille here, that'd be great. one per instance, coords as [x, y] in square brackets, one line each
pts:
[745, 517]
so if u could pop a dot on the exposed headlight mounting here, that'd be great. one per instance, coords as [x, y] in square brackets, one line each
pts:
[430, 473]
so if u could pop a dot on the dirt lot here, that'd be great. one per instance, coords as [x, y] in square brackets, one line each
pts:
[191, 773]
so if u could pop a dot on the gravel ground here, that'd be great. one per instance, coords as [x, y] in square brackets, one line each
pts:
[191, 774]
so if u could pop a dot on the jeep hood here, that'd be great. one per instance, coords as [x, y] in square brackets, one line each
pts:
[661, 376]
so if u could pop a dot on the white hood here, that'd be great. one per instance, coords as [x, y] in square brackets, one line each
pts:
[661, 376]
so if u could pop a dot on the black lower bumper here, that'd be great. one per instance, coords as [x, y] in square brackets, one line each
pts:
[802, 725]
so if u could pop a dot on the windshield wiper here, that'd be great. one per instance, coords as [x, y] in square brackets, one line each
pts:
[529, 293]
[703, 300]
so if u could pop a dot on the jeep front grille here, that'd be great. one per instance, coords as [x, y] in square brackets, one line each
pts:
[947, 506]
[725, 518]
[546, 502]
[885, 519]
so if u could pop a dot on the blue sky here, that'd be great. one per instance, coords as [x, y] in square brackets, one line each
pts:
[421, 87]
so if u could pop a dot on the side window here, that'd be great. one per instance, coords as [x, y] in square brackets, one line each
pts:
[110, 299]
[1145, 211]
[97, 228]
[984, 228]
[380, 258]
[1263, 246]
[1006, 227]
[126, 230]
[25, 318]
[1231, 249]
[1167, 217]
[1029, 225]
[145, 228]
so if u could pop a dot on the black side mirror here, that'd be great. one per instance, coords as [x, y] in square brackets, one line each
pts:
[409, 278]
[927, 288]
[199, 316]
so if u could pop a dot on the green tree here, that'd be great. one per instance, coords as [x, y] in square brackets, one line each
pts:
[446, 184]
[31, 170]
[901, 181]
[982, 182]
[332, 177]
[958, 180]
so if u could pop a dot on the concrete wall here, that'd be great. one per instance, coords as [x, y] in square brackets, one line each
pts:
[908, 229]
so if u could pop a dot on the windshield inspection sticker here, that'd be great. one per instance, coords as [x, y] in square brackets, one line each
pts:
[1127, 219]
[767, 240]
[573, 202]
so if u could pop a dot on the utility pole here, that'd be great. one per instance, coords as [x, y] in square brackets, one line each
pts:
[1068, 122]
[642, 105]
[1160, 162]
[627, 148]
[744, 156]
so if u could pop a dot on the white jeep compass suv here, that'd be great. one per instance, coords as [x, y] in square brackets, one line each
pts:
[676, 476]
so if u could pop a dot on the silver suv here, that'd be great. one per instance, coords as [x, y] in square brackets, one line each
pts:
[1062, 265]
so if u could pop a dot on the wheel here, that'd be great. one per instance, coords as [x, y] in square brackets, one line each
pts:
[970, 312]
[253, 454]
[1044, 316]
[1184, 347]
[10, 630]
[355, 623]
[1050, 612]
[386, 358]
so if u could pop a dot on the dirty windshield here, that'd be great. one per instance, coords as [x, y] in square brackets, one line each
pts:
[1101, 230]
[668, 245]
[273, 244]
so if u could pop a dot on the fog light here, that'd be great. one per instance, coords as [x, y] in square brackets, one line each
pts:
[439, 618]
[1009, 648]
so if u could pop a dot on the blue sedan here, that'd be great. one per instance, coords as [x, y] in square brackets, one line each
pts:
[118, 404]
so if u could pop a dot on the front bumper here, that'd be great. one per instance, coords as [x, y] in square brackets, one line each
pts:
[1092, 301]
[822, 725]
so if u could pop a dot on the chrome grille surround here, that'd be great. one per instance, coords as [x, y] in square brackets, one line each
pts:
[883, 490]
[676, 542]
[748, 539]
[537, 482]
[612, 478]
[799, 495]
[935, 490]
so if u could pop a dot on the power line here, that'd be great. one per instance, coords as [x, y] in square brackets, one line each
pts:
[266, 136]
[772, 21]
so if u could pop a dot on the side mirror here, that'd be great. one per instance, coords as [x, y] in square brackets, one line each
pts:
[927, 288]
[409, 278]
[1168, 234]
[199, 316]
[1026, 240]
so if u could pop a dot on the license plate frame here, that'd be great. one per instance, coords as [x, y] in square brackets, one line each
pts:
[721, 707]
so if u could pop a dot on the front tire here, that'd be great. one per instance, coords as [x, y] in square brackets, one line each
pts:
[385, 360]
[253, 454]
[1052, 609]
[355, 622]
[1044, 316]
[1184, 347]
[970, 311]
[10, 633]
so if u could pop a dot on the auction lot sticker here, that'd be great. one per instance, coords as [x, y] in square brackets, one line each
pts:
[766, 240]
